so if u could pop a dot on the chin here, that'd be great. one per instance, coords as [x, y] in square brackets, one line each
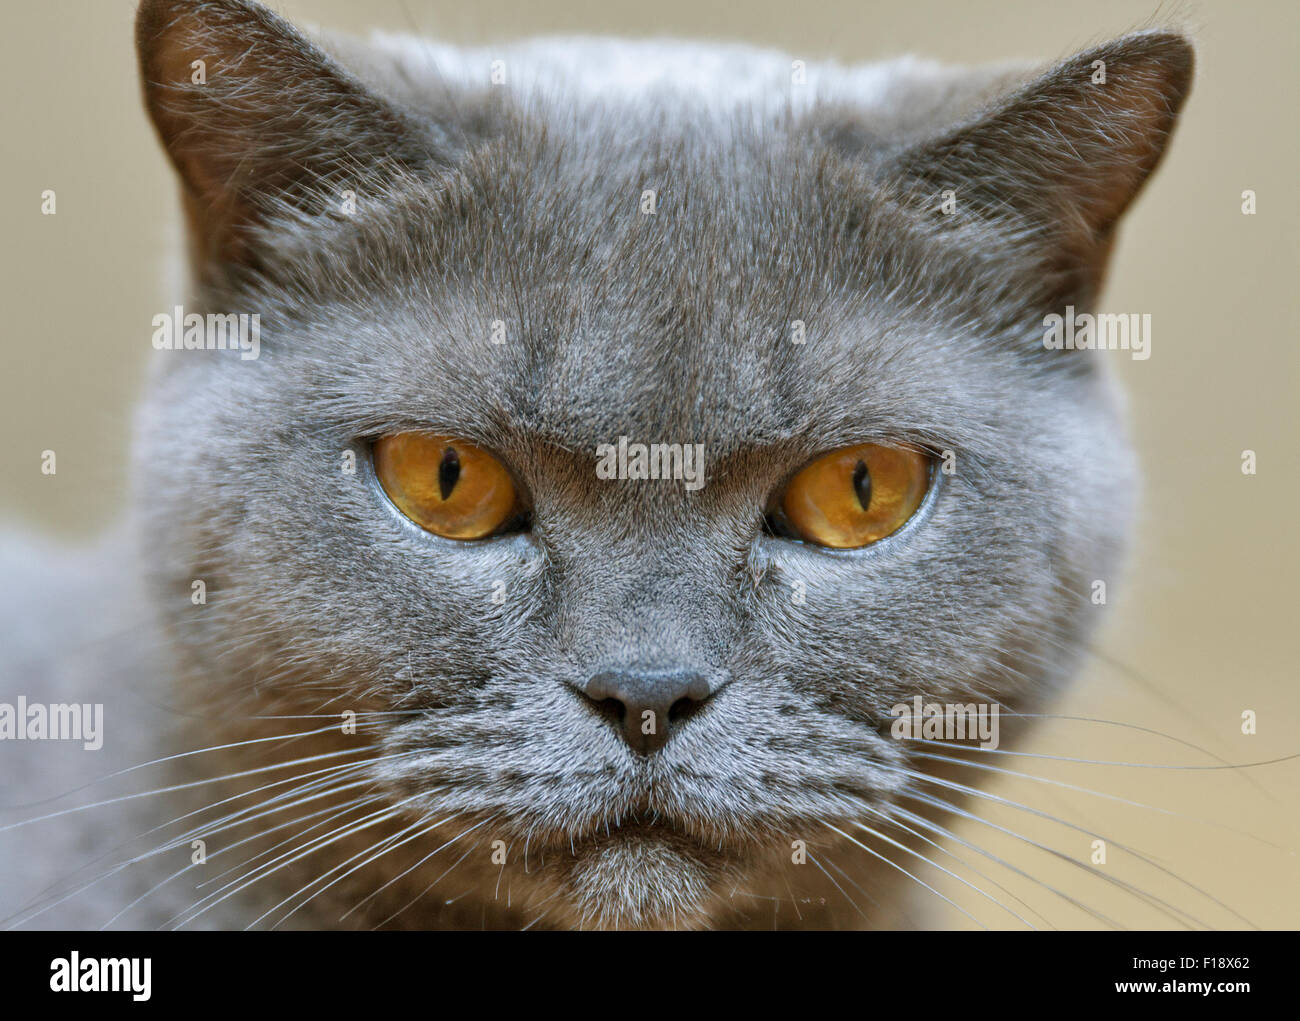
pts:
[646, 878]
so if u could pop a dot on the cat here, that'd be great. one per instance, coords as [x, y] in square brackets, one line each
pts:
[627, 703]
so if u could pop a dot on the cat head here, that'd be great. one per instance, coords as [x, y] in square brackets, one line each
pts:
[545, 278]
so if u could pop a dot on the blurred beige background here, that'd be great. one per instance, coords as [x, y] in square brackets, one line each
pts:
[1206, 627]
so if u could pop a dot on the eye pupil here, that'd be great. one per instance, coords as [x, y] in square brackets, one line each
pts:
[862, 484]
[448, 472]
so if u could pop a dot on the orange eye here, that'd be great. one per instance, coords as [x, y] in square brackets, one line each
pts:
[445, 485]
[853, 497]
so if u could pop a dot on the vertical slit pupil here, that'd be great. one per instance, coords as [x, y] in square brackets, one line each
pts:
[448, 472]
[862, 484]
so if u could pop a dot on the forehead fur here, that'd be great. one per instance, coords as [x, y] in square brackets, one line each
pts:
[679, 323]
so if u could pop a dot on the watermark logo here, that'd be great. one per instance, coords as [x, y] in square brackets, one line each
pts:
[680, 462]
[1105, 331]
[936, 721]
[178, 330]
[60, 721]
[75, 974]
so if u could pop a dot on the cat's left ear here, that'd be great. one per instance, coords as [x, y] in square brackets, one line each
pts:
[1048, 169]
[258, 119]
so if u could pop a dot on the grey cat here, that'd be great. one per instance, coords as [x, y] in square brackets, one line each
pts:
[337, 716]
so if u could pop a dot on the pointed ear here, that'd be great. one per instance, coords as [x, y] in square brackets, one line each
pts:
[255, 117]
[1052, 166]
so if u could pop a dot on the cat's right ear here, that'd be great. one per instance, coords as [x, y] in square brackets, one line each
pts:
[257, 119]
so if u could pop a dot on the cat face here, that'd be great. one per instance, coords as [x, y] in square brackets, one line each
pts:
[792, 291]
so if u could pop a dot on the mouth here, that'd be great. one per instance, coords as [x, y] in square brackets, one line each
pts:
[631, 851]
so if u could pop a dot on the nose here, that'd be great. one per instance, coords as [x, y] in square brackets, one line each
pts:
[645, 704]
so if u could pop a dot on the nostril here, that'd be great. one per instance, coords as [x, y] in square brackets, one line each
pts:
[611, 708]
[684, 708]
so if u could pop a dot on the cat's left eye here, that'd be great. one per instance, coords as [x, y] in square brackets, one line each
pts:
[852, 497]
[447, 486]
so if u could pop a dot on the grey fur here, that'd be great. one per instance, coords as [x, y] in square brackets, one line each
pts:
[477, 204]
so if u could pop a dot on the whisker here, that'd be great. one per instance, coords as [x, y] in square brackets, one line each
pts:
[1158, 903]
[934, 827]
[1105, 762]
[976, 792]
[895, 865]
[261, 834]
[182, 786]
[333, 837]
[448, 871]
[393, 841]
[942, 850]
[400, 875]
[970, 763]
[933, 864]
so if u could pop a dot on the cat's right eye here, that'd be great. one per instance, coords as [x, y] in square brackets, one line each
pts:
[447, 486]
